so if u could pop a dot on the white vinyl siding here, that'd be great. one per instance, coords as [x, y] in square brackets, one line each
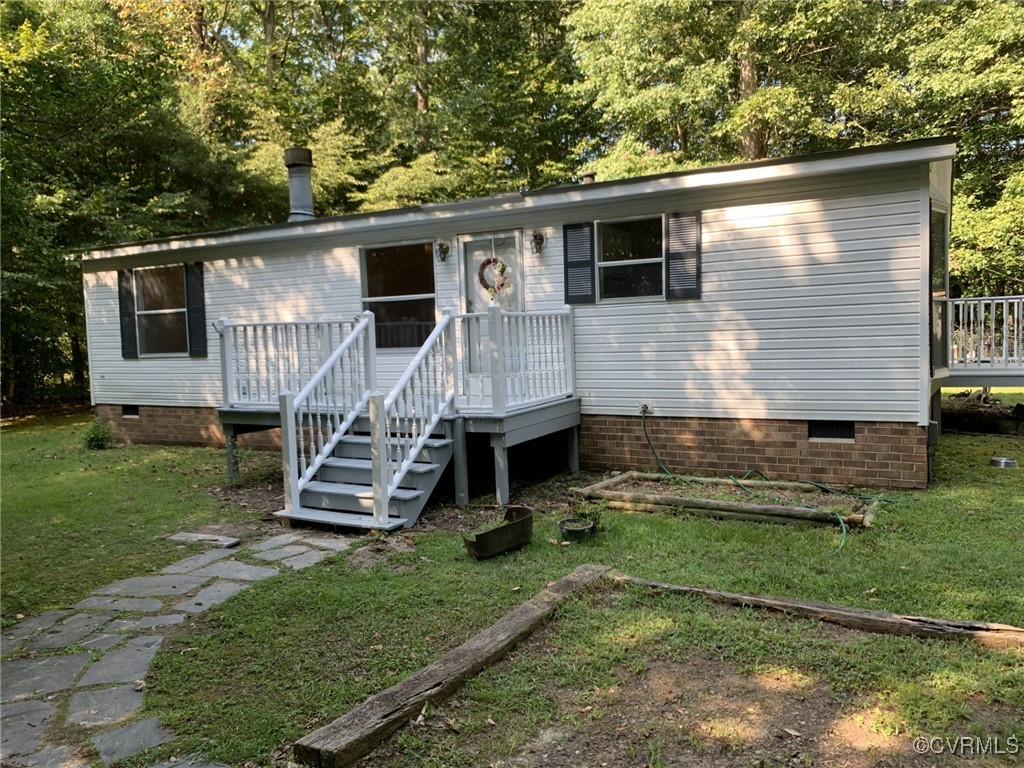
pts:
[810, 310]
[270, 285]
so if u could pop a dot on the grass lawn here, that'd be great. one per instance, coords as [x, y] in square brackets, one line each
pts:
[297, 650]
[74, 519]
[1010, 396]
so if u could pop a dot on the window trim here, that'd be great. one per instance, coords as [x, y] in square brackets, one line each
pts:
[151, 312]
[365, 299]
[682, 256]
[598, 264]
[195, 313]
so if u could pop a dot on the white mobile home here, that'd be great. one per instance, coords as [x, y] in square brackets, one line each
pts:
[786, 315]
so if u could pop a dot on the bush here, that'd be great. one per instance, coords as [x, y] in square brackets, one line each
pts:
[99, 435]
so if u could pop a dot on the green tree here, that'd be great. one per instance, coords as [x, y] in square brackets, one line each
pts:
[93, 152]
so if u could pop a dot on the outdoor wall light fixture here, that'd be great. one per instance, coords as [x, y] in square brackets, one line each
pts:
[537, 241]
[443, 250]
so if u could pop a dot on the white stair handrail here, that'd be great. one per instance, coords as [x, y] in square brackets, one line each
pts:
[315, 419]
[402, 422]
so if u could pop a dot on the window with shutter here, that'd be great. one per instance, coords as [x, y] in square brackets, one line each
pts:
[634, 258]
[162, 311]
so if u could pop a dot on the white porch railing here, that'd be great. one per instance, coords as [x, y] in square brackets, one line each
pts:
[314, 420]
[402, 422]
[507, 361]
[259, 361]
[986, 333]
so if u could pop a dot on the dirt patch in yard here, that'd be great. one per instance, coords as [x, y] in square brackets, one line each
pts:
[702, 712]
[843, 503]
[380, 550]
[698, 711]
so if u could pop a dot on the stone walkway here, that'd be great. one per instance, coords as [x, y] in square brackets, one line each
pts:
[85, 666]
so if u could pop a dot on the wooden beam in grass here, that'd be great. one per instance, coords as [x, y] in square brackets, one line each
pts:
[982, 633]
[355, 734]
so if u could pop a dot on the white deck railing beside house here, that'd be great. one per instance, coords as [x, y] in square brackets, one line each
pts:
[986, 333]
[507, 361]
[315, 419]
[259, 361]
[321, 376]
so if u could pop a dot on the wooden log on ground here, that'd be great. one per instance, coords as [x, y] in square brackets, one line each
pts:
[772, 510]
[355, 734]
[636, 506]
[982, 633]
[615, 480]
[788, 485]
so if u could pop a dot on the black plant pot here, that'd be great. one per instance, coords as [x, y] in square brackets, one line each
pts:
[575, 529]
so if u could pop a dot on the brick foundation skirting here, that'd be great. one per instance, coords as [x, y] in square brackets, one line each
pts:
[166, 425]
[881, 454]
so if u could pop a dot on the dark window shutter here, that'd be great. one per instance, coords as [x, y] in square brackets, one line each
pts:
[682, 266]
[578, 242]
[126, 309]
[196, 303]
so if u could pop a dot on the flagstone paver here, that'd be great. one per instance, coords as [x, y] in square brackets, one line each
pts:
[198, 561]
[233, 569]
[51, 757]
[131, 739]
[21, 726]
[101, 641]
[104, 706]
[224, 542]
[275, 542]
[215, 594]
[312, 557]
[28, 627]
[69, 631]
[146, 622]
[31, 678]
[153, 586]
[139, 604]
[108, 691]
[332, 544]
[280, 553]
[126, 665]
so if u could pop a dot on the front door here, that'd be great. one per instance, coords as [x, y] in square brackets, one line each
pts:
[493, 269]
[493, 272]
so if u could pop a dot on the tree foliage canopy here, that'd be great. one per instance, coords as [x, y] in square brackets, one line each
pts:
[131, 119]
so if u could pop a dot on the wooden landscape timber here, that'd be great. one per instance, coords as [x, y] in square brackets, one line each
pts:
[355, 734]
[730, 510]
[989, 635]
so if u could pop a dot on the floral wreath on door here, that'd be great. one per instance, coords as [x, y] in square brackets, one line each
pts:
[501, 275]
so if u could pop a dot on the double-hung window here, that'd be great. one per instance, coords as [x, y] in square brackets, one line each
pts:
[162, 311]
[399, 290]
[641, 258]
[630, 258]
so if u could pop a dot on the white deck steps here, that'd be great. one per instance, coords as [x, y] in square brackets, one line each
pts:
[344, 519]
[341, 493]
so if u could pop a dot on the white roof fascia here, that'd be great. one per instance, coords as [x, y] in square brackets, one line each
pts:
[801, 167]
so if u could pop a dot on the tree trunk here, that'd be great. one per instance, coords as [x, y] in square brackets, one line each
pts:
[752, 144]
[422, 78]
